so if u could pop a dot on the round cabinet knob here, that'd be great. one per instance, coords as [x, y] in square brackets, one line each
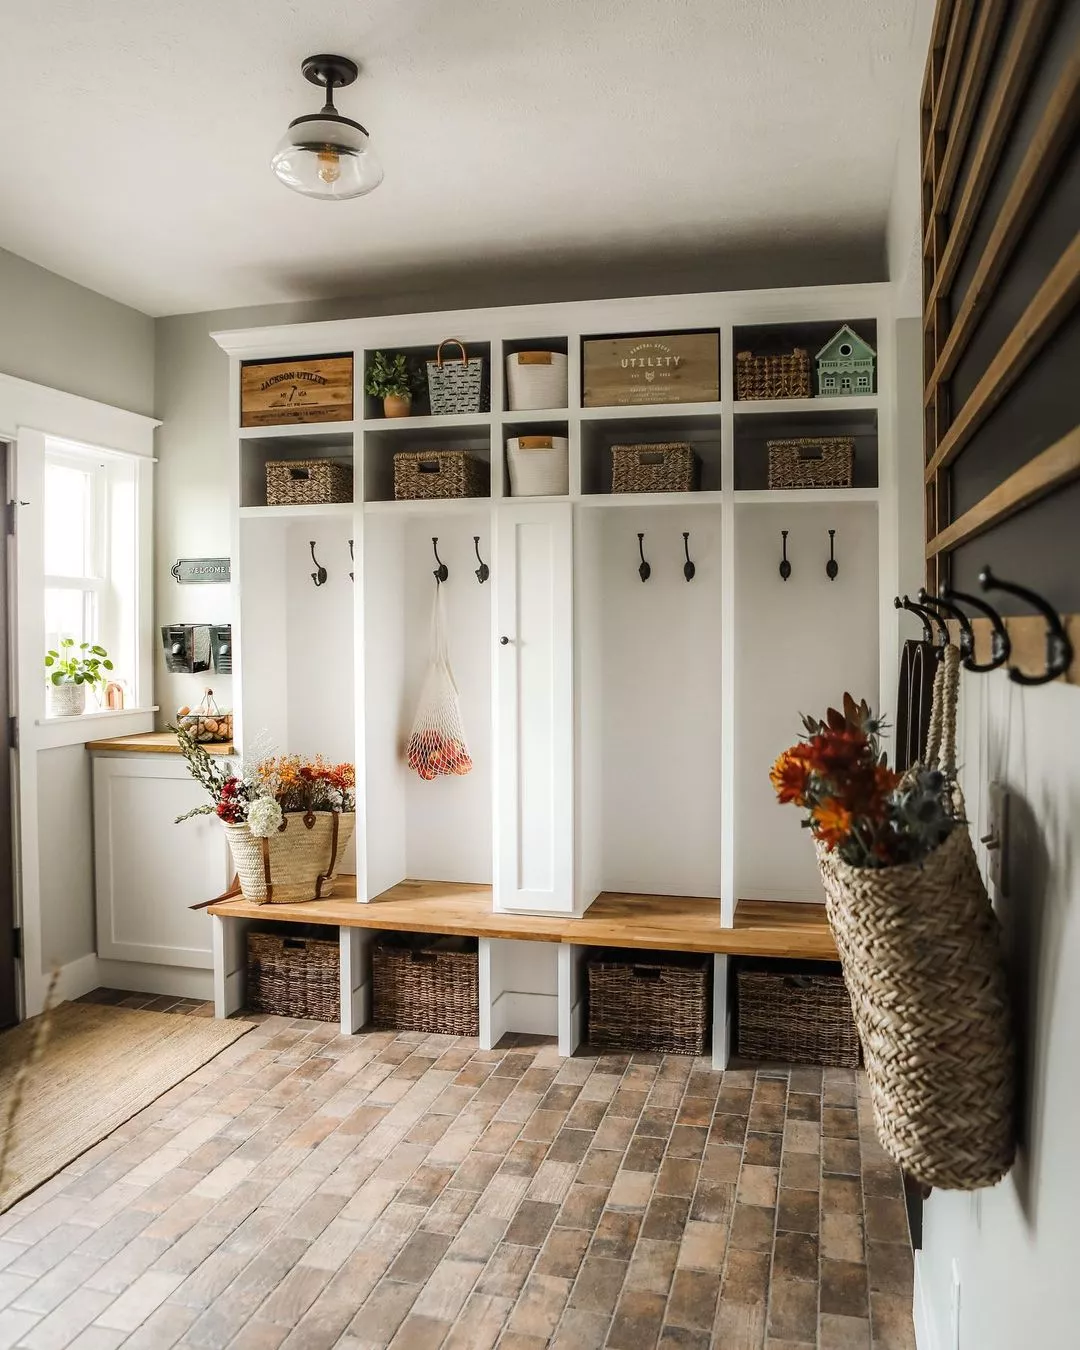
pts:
[504, 641]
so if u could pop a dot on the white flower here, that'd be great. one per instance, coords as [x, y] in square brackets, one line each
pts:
[264, 817]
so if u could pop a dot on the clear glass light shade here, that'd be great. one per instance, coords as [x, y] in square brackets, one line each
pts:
[327, 157]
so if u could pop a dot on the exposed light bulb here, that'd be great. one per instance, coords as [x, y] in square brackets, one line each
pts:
[329, 165]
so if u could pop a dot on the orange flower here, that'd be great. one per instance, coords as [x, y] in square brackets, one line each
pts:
[789, 775]
[832, 822]
[836, 751]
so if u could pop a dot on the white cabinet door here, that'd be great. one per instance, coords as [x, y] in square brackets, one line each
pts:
[147, 869]
[533, 699]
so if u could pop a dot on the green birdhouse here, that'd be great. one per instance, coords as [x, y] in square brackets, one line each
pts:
[845, 366]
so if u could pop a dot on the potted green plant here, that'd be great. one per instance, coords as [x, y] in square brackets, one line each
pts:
[70, 670]
[392, 379]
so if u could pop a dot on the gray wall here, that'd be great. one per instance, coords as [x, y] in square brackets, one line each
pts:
[65, 855]
[62, 335]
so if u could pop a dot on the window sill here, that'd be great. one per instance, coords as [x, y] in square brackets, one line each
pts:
[52, 733]
[92, 716]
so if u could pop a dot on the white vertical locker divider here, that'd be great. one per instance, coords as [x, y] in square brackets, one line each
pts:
[721, 1011]
[356, 984]
[888, 510]
[533, 703]
[573, 409]
[230, 964]
[360, 835]
[571, 960]
[728, 871]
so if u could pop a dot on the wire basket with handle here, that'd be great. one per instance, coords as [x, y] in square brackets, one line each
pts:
[459, 385]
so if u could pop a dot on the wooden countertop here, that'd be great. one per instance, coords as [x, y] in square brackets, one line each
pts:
[155, 743]
[657, 922]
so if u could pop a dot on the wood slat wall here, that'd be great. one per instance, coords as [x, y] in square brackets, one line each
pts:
[1001, 274]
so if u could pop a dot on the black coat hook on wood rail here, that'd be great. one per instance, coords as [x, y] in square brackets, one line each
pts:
[483, 571]
[1059, 648]
[689, 570]
[644, 571]
[938, 604]
[832, 567]
[441, 572]
[352, 559]
[785, 566]
[319, 575]
[1000, 642]
[928, 618]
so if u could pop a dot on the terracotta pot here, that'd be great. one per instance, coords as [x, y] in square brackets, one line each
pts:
[397, 405]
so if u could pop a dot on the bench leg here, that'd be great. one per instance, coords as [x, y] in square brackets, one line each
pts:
[571, 997]
[355, 978]
[721, 1028]
[230, 958]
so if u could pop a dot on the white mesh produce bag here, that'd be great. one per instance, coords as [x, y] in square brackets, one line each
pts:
[437, 740]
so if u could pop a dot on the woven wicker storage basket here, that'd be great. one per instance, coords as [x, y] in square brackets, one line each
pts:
[539, 466]
[426, 984]
[649, 1001]
[297, 863]
[294, 976]
[307, 482]
[669, 467]
[797, 1015]
[811, 462]
[536, 380]
[784, 376]
[425, 475]
[921, 951]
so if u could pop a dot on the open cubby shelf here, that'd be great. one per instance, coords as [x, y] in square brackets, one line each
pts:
[752, 435]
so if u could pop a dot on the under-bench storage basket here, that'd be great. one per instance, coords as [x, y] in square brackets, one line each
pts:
[669, 467]
[649, 1001]
[799, 1015]
[784, 376]
[294, 975]
[307, 482]
[811, 462]
[426, 984]
[427, 475]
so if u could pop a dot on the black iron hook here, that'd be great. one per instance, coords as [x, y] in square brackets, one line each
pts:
[352, 559]
[966, 641]
[319, 575]
[1059, 648]
[832, 567]
[785, 566]
[1000, 642]
[644, 571]
[442, 571]
[483, 571]
[929, 618]
[689, 570]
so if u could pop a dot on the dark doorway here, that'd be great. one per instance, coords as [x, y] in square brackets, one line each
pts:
[9, 1003]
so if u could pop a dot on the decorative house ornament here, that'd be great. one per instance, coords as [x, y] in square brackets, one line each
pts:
[201, 571]
[845, 366]
[324, 154]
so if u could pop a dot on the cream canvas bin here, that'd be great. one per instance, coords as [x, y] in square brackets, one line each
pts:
[539, 466]
[536, 380]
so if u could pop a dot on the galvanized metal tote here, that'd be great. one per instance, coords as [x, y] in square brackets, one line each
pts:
[457, 386]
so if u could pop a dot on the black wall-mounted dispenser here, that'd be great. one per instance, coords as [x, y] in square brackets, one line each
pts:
[187, 648]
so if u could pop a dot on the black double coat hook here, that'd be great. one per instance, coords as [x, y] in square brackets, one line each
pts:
[319, 575]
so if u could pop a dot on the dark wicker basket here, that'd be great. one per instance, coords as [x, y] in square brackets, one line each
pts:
[811, 462]
[294, 976]
[426, 475]
[649, 1001]
[670, 467]
[307, 482]
[798, 1015]
[426, 984]
[783, 376]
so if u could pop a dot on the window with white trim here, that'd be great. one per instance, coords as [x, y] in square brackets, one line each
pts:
[90, 536]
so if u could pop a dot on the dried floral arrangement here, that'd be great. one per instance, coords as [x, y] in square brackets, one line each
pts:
[260, 792]
[856, 805]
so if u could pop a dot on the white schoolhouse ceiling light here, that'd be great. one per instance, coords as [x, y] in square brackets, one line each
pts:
[324, 154]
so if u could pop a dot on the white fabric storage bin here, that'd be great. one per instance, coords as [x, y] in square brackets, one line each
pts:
[536, 380]
[539, 466]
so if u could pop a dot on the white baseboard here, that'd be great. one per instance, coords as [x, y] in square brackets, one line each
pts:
[535, 1014]
[142, 977]
[77, 978]
[925, 1338]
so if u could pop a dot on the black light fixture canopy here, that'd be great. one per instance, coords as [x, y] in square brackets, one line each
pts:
[326, 154]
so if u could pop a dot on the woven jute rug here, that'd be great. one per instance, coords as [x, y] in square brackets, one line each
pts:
[99, 1067]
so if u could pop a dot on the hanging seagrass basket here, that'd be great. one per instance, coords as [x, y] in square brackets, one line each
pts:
[297, 862]
[921, 953]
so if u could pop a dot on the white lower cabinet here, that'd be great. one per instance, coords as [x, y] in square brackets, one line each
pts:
[533, 684]
[148, 870]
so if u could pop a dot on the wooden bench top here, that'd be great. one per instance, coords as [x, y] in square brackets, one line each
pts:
[614, 919]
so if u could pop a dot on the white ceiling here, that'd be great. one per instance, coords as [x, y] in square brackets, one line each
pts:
[137, 135]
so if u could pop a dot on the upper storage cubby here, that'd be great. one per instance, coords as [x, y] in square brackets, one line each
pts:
[626, 371]
[827, 446]
[291, 391]
[644, 445]
[429, 474]
[459, 384]
[306, 469]
[822, 359]
[536, 374]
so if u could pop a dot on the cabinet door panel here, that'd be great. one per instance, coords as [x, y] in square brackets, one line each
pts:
[534, 709]
[148, 869]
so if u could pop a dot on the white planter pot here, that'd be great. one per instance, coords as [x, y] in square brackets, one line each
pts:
[67, 700]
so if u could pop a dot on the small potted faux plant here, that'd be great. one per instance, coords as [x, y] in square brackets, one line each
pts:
[70, 670]
[392, 379]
